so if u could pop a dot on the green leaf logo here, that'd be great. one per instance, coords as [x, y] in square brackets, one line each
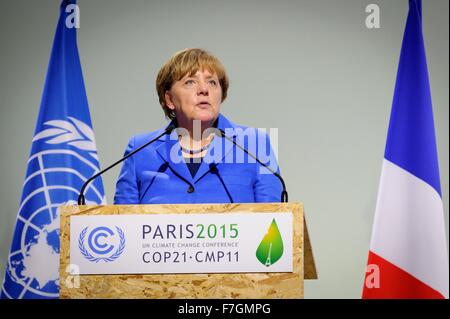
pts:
[270, 249]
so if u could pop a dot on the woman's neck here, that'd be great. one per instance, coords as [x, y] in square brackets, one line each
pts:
[194, 142]
[195, 138]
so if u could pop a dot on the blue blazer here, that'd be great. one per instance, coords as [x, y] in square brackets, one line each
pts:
[158, 174]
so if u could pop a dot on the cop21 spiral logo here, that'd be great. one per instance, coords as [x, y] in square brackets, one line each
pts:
[99, 250]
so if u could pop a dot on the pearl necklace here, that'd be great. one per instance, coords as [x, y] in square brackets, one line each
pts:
[193, 152]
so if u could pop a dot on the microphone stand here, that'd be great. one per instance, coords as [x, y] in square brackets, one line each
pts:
[284, 194]
[81, 198]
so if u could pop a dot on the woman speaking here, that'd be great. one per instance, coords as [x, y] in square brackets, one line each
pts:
[196, 160]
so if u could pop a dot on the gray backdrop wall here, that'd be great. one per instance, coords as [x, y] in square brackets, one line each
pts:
[309, 68]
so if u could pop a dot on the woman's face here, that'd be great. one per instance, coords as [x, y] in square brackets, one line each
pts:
[195, 97]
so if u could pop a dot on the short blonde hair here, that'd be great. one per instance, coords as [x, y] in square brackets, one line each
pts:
[188, 61]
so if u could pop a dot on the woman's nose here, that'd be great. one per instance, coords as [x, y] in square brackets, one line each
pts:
[203, 88]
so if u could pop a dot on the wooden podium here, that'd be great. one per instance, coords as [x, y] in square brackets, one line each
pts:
[185, 286]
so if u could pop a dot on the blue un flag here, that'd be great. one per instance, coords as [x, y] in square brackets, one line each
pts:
[63, 155]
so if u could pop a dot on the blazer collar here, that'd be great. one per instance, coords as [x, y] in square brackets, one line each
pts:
[170, 150]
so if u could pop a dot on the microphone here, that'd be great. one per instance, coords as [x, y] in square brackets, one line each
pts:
[167, 131]
[284, 194]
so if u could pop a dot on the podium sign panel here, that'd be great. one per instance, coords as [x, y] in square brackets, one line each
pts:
[174, 243]
[118, 236]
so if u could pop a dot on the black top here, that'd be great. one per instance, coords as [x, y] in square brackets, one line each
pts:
[193, 164]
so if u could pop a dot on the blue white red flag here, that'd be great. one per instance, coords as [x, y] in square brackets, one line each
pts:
[408, 250]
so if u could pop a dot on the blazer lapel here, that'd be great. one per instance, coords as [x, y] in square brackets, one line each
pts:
[170, 152]
[219, 149]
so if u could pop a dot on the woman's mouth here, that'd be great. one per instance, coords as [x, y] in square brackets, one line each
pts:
[204, 105]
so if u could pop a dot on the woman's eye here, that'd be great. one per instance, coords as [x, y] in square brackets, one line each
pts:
[189, 82]
[213, 82]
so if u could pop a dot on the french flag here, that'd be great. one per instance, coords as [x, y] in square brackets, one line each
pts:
[408, 251]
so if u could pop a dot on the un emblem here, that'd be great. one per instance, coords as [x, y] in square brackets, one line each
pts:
[63, 157]
[101, 244]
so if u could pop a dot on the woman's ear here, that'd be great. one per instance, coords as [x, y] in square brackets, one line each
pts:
[168, 99]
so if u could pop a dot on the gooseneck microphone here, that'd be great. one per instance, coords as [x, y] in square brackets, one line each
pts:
[167, 131]
[284, 194]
